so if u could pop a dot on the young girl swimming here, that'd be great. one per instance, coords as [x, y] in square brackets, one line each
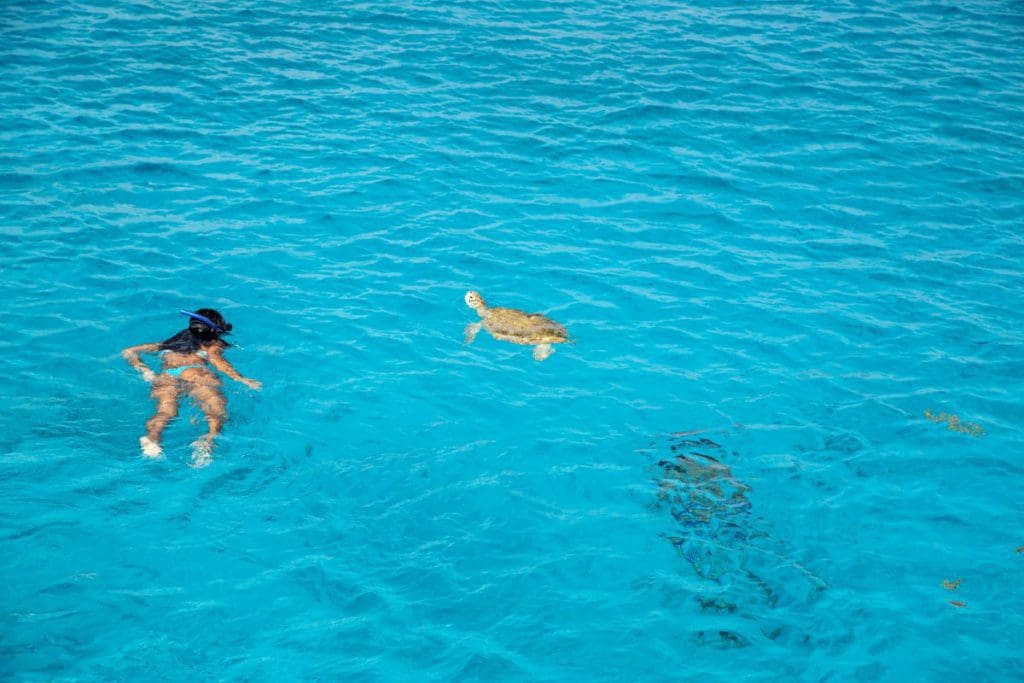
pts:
[186, 360]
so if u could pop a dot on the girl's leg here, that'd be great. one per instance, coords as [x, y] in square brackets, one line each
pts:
[214, 407]
[165, 393]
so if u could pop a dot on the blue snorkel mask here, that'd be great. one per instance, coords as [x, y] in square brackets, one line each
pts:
[206, 321]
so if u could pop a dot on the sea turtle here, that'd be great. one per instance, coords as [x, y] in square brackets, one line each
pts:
[518, 327]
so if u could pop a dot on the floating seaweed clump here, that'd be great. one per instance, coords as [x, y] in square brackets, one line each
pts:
[955, 425]
[952, 586]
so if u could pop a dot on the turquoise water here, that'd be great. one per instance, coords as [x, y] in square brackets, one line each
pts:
[779, 233]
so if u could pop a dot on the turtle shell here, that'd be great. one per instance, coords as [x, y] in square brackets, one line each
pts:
[519, 327]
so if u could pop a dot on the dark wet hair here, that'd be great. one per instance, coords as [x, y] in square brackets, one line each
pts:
[198, 334]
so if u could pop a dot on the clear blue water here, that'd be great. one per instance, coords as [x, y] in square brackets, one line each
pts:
[789, 228]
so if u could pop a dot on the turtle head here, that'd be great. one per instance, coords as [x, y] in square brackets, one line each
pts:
[476, 302]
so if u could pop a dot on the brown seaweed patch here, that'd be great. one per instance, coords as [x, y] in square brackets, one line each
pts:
[951, 585]
[954, 423]
[957, 603]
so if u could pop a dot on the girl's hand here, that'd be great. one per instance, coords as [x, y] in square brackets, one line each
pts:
[252, 383]
[148, 375]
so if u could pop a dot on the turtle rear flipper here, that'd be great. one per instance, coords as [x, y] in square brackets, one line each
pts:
[542, 351]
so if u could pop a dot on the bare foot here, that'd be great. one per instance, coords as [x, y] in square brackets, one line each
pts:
[202, 453]
[150, 448]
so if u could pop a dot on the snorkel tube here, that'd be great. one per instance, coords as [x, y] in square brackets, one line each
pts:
[206, 321]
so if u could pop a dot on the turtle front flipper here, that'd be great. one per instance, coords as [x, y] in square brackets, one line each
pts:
[471, 331]
[542, 351]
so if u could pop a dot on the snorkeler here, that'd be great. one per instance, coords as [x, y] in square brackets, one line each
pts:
[187, 357]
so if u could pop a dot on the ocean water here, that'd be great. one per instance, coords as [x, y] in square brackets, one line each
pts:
[786, 237]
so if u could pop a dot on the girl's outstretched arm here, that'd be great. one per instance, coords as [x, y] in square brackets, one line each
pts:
[131, 354]
[217, 359]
